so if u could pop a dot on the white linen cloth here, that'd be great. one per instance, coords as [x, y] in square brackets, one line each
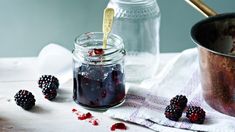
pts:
[146, 104]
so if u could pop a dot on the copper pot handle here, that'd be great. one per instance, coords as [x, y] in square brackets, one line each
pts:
[202, 7]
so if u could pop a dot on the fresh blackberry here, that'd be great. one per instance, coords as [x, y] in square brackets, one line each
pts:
[25, 99]
[195, 114]
[44, 79]
[49, 91]
[173, 112]
[179, 100]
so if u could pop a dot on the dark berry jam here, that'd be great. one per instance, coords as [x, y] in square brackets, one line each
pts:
[99, 86]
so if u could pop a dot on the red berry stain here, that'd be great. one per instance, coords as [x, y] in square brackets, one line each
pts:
[88, 115]
[99, 51]
[95, 123]
[90, 53]
[94, 52]
[84, 116]
[120, 126]
[74, 110]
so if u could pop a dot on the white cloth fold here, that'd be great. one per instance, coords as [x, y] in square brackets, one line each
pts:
[55, 60]
[179, 76]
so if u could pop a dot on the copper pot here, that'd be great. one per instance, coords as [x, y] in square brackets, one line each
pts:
[215, 38]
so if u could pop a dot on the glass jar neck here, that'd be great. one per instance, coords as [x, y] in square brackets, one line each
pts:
[135, 9]
[134, 2]
[88, 49]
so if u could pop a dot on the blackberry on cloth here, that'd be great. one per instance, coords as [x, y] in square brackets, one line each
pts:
[195, 114]
[173, 112]
[179, 100]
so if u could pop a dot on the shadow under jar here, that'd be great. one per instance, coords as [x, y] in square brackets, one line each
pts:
[215, 37]
[99, 79]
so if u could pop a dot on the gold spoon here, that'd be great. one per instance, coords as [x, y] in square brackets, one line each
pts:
[107, 24]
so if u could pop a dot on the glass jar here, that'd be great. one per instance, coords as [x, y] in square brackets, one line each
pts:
[137, 22]
[99, 79]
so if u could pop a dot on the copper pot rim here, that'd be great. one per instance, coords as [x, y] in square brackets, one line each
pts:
[208, 20]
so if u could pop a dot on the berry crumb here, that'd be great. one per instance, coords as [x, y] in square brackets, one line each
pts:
[88, 115]
[95, 123]
[85, 116]
[74, 110]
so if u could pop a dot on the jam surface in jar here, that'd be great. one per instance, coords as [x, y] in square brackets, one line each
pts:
[98, 86]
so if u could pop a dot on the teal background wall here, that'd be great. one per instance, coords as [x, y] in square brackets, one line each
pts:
[26, 26]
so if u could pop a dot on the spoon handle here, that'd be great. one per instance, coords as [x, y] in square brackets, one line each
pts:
[107, 24]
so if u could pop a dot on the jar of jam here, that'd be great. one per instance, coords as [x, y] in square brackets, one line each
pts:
[99, 79]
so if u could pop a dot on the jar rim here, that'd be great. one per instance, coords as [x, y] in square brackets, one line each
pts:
[86, 43]
[88, 35]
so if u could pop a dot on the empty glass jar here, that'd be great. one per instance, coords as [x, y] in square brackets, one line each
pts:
[137, 22]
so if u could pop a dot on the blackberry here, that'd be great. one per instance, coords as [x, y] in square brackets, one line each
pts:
[44, 79]
[173, 112]
[49, 91]
[25, 99]
[179, 100]
[195, 114]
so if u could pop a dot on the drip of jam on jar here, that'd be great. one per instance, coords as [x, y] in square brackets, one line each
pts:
[99, 51]
[99, 86]
[95, 52]
[120, 126]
